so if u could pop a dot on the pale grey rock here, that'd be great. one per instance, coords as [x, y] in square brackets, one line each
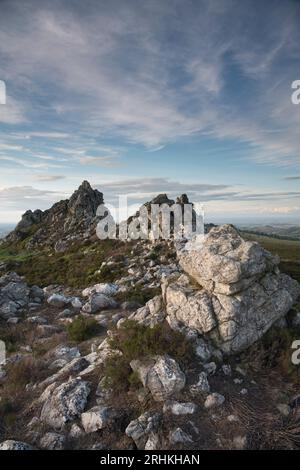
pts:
[153, 442]
[15, 445]
[210, 368]
[37, 292]
[178, 436]
[189, 307]
[226, 369]
[99, 302]
[66, 352]
[240, 292]
[8, 309]
[37, 320]
[151, 314]
[76, 432]
[76, 303]
[102, 392]
[202, 350]
[66, 313]
[58, 300]
[239, 442]
[233, 418]
[65, 402]
[283, 408]
[202, 385]
[227, 264]
[238, 381]
[178, 408]
[102, 288]
[142, 428]
[161, 375]
[241, 371]
[214, 400]
[97, 418]
[53, 441]
[13, 320]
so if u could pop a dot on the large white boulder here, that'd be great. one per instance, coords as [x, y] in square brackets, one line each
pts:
[236, 293]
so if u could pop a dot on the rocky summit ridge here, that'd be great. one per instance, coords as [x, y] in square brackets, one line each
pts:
[64, 222]
[81, 369]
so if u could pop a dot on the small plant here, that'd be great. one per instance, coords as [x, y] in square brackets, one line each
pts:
[137, 341]
[27, 370]
[274, 351]
[137, 294]
[117, 372]
[82, 328]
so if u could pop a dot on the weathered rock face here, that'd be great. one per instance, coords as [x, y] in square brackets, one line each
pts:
[65, 221]
[99, 302]
[227, 264]
[151, 314]
[163, 201]
[97, 418]
[162, 376]
[65, 403]
[238, 294]
[141, 428]
[15, 295]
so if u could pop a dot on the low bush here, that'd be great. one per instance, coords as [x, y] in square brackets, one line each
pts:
[136, 341]
[274, 351]
[27, 370]
[138, 294]
[82, 328]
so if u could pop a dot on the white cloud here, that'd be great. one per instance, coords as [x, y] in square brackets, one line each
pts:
[122, 74]
[48, 177]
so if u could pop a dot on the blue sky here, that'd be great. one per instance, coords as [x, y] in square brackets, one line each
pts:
[147, 97]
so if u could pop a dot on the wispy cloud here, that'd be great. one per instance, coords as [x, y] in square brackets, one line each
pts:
[159, 71]
[48, 177]
[292, 178]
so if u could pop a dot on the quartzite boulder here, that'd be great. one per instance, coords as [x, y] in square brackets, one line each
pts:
[225, 263]
[161, 375]
[236, 293]
[65, 403]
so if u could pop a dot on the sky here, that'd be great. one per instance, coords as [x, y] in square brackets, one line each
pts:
[140, 98]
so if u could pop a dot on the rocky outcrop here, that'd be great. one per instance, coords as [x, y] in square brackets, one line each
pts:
[16, 296]
[151, 314]
[227, 264]
[234, 291]
[66, 221]
[163, 201]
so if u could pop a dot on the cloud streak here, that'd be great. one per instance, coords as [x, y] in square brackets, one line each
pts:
[159, 71]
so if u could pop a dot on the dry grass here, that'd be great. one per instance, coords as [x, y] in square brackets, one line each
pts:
[267, 429]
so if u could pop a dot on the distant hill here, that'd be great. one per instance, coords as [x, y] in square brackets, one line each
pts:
[285, 231]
